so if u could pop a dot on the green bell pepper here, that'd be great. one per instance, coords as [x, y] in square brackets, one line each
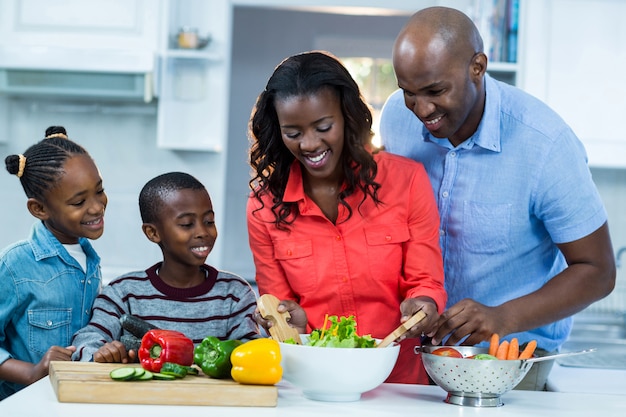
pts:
[213, 356]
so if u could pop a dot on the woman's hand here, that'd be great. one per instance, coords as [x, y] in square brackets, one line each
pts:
[298, 318]
[410, 306]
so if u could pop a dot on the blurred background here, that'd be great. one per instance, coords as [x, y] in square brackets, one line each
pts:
[155, 86]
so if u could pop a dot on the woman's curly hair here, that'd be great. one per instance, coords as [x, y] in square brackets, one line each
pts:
[304, 75]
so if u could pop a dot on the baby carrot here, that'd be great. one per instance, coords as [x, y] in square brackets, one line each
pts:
[493, 344]
[528, 351]
[513, 352]
[503, 350]
[324, 326]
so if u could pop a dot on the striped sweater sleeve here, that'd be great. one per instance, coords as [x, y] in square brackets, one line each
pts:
[104, 326]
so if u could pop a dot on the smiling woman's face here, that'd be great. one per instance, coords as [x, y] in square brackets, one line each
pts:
[312, 128]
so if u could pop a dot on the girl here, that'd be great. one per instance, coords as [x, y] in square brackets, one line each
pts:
[49, 282]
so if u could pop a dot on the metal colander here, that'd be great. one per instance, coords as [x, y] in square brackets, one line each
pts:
[478, 383]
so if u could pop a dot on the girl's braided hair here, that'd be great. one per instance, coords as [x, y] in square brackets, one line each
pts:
[42, 164]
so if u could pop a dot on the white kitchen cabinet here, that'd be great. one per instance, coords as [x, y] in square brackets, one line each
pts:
[76, 49]
[95, 35]
[574, 61]
[95, 24]
[194, 83]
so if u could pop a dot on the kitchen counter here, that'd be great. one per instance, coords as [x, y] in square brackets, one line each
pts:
[587, 380]
[389, 399]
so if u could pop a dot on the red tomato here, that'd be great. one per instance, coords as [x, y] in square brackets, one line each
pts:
[447, 351]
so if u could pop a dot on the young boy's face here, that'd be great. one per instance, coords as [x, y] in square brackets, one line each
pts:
[186, 227]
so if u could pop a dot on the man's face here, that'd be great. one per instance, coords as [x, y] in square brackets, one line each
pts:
[441, 89]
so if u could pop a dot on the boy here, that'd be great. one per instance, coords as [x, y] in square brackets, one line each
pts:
[181, 292]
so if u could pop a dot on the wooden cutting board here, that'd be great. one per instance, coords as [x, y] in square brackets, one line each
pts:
[89, 382]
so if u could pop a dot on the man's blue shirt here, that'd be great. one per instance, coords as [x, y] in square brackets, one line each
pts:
[506, 196]
[45, 296]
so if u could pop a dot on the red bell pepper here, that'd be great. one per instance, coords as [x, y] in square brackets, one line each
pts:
[161, 346]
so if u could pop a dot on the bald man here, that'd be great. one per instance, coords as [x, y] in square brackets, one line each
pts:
[524, 233]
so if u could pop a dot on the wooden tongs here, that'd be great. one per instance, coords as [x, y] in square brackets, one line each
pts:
[280, 329]
[402, 329]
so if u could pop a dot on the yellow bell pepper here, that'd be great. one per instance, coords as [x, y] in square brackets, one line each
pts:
[257, 362]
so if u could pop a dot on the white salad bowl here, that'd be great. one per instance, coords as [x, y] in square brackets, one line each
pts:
[336, 374]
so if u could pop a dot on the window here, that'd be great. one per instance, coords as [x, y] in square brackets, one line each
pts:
[376, 81]
[368, 59]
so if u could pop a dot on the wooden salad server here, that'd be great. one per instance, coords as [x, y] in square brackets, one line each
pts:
[280, 329]
[402, 329]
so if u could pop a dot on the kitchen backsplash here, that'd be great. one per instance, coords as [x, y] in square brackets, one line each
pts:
[611, 184]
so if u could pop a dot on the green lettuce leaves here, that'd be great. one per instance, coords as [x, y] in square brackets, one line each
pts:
[340, 334]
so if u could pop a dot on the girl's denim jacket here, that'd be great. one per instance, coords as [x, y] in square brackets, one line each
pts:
[45, 297]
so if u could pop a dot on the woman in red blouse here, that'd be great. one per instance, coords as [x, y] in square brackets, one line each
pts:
[335, 228]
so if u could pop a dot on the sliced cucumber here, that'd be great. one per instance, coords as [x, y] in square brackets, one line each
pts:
[165, 377]
[139, 372]
[174, 369]
[125, 373]
[146, 376]
[192, 370]
[135, 373]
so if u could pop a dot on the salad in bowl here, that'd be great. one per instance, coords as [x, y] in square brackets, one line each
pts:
[335, 363]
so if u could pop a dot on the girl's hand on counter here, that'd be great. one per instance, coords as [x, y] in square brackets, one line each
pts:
[55, 353]
[26, 373]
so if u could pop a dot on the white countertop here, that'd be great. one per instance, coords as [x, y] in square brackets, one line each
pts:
[587, 380]
[389, 399]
